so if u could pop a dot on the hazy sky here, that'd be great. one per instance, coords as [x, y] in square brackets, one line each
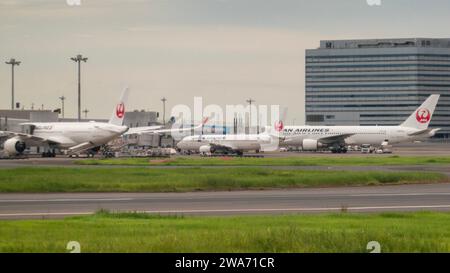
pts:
[223, 50]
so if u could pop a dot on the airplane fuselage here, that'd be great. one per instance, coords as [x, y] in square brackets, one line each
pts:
[74, 137]
[237, 142]
[68, 134]
[358, 135]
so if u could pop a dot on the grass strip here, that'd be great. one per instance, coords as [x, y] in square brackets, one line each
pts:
[132, 232]
[53, 179]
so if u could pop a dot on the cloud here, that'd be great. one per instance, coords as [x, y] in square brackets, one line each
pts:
[224, 50]
[220, 63]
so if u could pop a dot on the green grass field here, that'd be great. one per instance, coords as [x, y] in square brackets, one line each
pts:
[284, 161]
[104, 232]
[192, 179]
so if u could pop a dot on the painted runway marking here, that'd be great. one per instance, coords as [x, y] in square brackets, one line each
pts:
[65, 200]
[235, 210]
[209, 197]
[398, 194]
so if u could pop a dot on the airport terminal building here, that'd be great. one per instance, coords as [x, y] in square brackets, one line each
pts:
[377, 82]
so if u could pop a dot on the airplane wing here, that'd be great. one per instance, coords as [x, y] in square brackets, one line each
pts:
[158, 130]
[35, 140]
[162, 131]
[326, 140]
[25, 137]
[335, 139]
[82, 147]
[154, 131]
[142, 130]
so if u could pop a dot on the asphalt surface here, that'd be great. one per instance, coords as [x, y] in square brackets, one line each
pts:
[352, 199]
[434, 197]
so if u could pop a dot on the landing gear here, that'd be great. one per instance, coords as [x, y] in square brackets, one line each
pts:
[339, 150]
[49, 154]
[106, 151]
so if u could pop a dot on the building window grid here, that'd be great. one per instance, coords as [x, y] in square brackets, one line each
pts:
[404, 63]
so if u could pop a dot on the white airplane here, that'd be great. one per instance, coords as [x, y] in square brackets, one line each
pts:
[230, 144]
[159, 129]
[75, 137]
[336, 138]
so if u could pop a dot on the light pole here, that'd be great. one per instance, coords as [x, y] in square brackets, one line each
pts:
[250, 101]
[85, 111]
[13, 63]
[62, 98]
[164, 110]
[78, 59]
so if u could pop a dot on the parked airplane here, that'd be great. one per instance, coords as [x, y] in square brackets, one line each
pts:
[159, 129]
[336, 138]
[230, 144]
[76, 137]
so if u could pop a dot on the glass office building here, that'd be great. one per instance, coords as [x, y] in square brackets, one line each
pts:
[377, 82]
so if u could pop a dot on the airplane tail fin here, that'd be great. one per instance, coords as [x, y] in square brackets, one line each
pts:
[421, 118]
[119, 111]
[278, 126]
[275, 130]
[201, 125]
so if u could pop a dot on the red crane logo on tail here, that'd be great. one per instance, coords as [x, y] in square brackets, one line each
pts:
[279, 126]
[423, 115]
[120, 110]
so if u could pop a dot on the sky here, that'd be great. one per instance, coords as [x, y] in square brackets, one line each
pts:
[225, 51]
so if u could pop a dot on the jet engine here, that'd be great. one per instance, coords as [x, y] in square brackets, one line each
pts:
[311, 144]
[14, 146]
[206, 149]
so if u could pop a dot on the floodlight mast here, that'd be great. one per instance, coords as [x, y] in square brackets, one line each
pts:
[13, 62]
[78, 59]
[164, 110]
